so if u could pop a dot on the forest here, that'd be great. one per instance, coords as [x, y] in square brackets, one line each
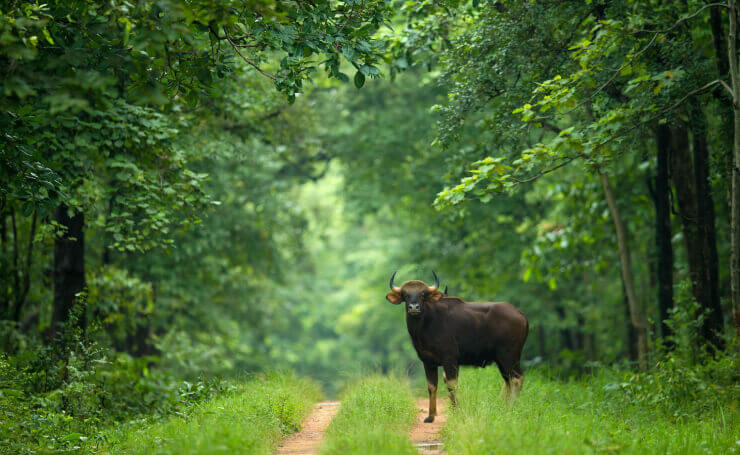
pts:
[202, 202]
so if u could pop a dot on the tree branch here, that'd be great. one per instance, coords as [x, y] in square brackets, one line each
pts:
[683, 19]
[547, 171]
[551, 127]
[727, 87]
[250, 62]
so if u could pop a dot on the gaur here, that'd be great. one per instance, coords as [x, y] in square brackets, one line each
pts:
[449, 332]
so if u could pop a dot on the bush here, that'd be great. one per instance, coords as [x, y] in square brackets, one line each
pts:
[123, 304]
[687, 378]
[682, 389]
[55, 397]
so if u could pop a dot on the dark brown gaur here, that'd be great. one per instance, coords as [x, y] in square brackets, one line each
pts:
[448, 332]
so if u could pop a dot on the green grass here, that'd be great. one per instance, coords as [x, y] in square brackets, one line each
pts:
[375, 417]
[580, 417]
[249, 420]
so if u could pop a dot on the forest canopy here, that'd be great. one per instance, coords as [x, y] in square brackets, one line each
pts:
[195, 190]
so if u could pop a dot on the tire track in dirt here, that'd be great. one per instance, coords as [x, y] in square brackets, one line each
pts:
[425, 436]
[308, 440]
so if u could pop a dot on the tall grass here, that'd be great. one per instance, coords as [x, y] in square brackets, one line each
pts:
[375, 417]
[579, 417]
[248, 420]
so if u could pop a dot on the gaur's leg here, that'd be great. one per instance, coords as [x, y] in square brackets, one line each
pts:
[506, 386]
[517, 381]
[450, 375]
[505, 390]
[431, 371]
[508, 364]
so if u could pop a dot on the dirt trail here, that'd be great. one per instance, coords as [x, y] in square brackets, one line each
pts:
[426, 436]
[308, 440]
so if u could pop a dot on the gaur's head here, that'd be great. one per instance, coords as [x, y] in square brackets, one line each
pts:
[415, 293]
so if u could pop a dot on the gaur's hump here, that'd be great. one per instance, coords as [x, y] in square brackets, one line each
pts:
[452, 300]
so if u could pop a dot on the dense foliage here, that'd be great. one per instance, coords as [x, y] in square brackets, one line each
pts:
[191, 190]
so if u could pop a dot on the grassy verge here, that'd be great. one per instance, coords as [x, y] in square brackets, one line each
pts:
[375, 418]
[580, 417]
[248, 420]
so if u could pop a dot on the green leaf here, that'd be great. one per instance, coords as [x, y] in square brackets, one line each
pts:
[527, 274]
[47, 35]
[369, 70]
[71, 437]
[359, 79]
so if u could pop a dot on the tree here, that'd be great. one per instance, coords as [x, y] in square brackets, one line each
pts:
[97, 92]
[625, 77]
[732, 57]
[660, 191]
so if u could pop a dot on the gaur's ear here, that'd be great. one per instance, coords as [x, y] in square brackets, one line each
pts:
[394, 298]
[434, 296]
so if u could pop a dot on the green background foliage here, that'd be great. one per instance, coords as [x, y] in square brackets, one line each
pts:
[195, 190]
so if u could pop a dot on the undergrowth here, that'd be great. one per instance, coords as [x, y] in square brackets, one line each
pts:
[610, 412]
[250, 419]
[56, 397]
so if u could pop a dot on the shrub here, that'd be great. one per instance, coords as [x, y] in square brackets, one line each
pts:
[54, 397]
[687, 378]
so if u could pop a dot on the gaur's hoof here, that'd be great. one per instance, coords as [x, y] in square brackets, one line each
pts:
[429, 419]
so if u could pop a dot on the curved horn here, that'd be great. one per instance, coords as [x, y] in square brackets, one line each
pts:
[436, 283]
[394, 288]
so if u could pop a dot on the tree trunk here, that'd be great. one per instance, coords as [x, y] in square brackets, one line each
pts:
[631, 333]
[698, 226]
[636, 316]
[565, 334]
[139, 344]
[718, 40]
[714, 322]
[589, 346]
[663, 234]
[735, 192]
[580, 334]
[541, 342]
[69, 266]
[4, 269]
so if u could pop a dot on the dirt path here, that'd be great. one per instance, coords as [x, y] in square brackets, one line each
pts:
[426, 436]
[308, 440]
